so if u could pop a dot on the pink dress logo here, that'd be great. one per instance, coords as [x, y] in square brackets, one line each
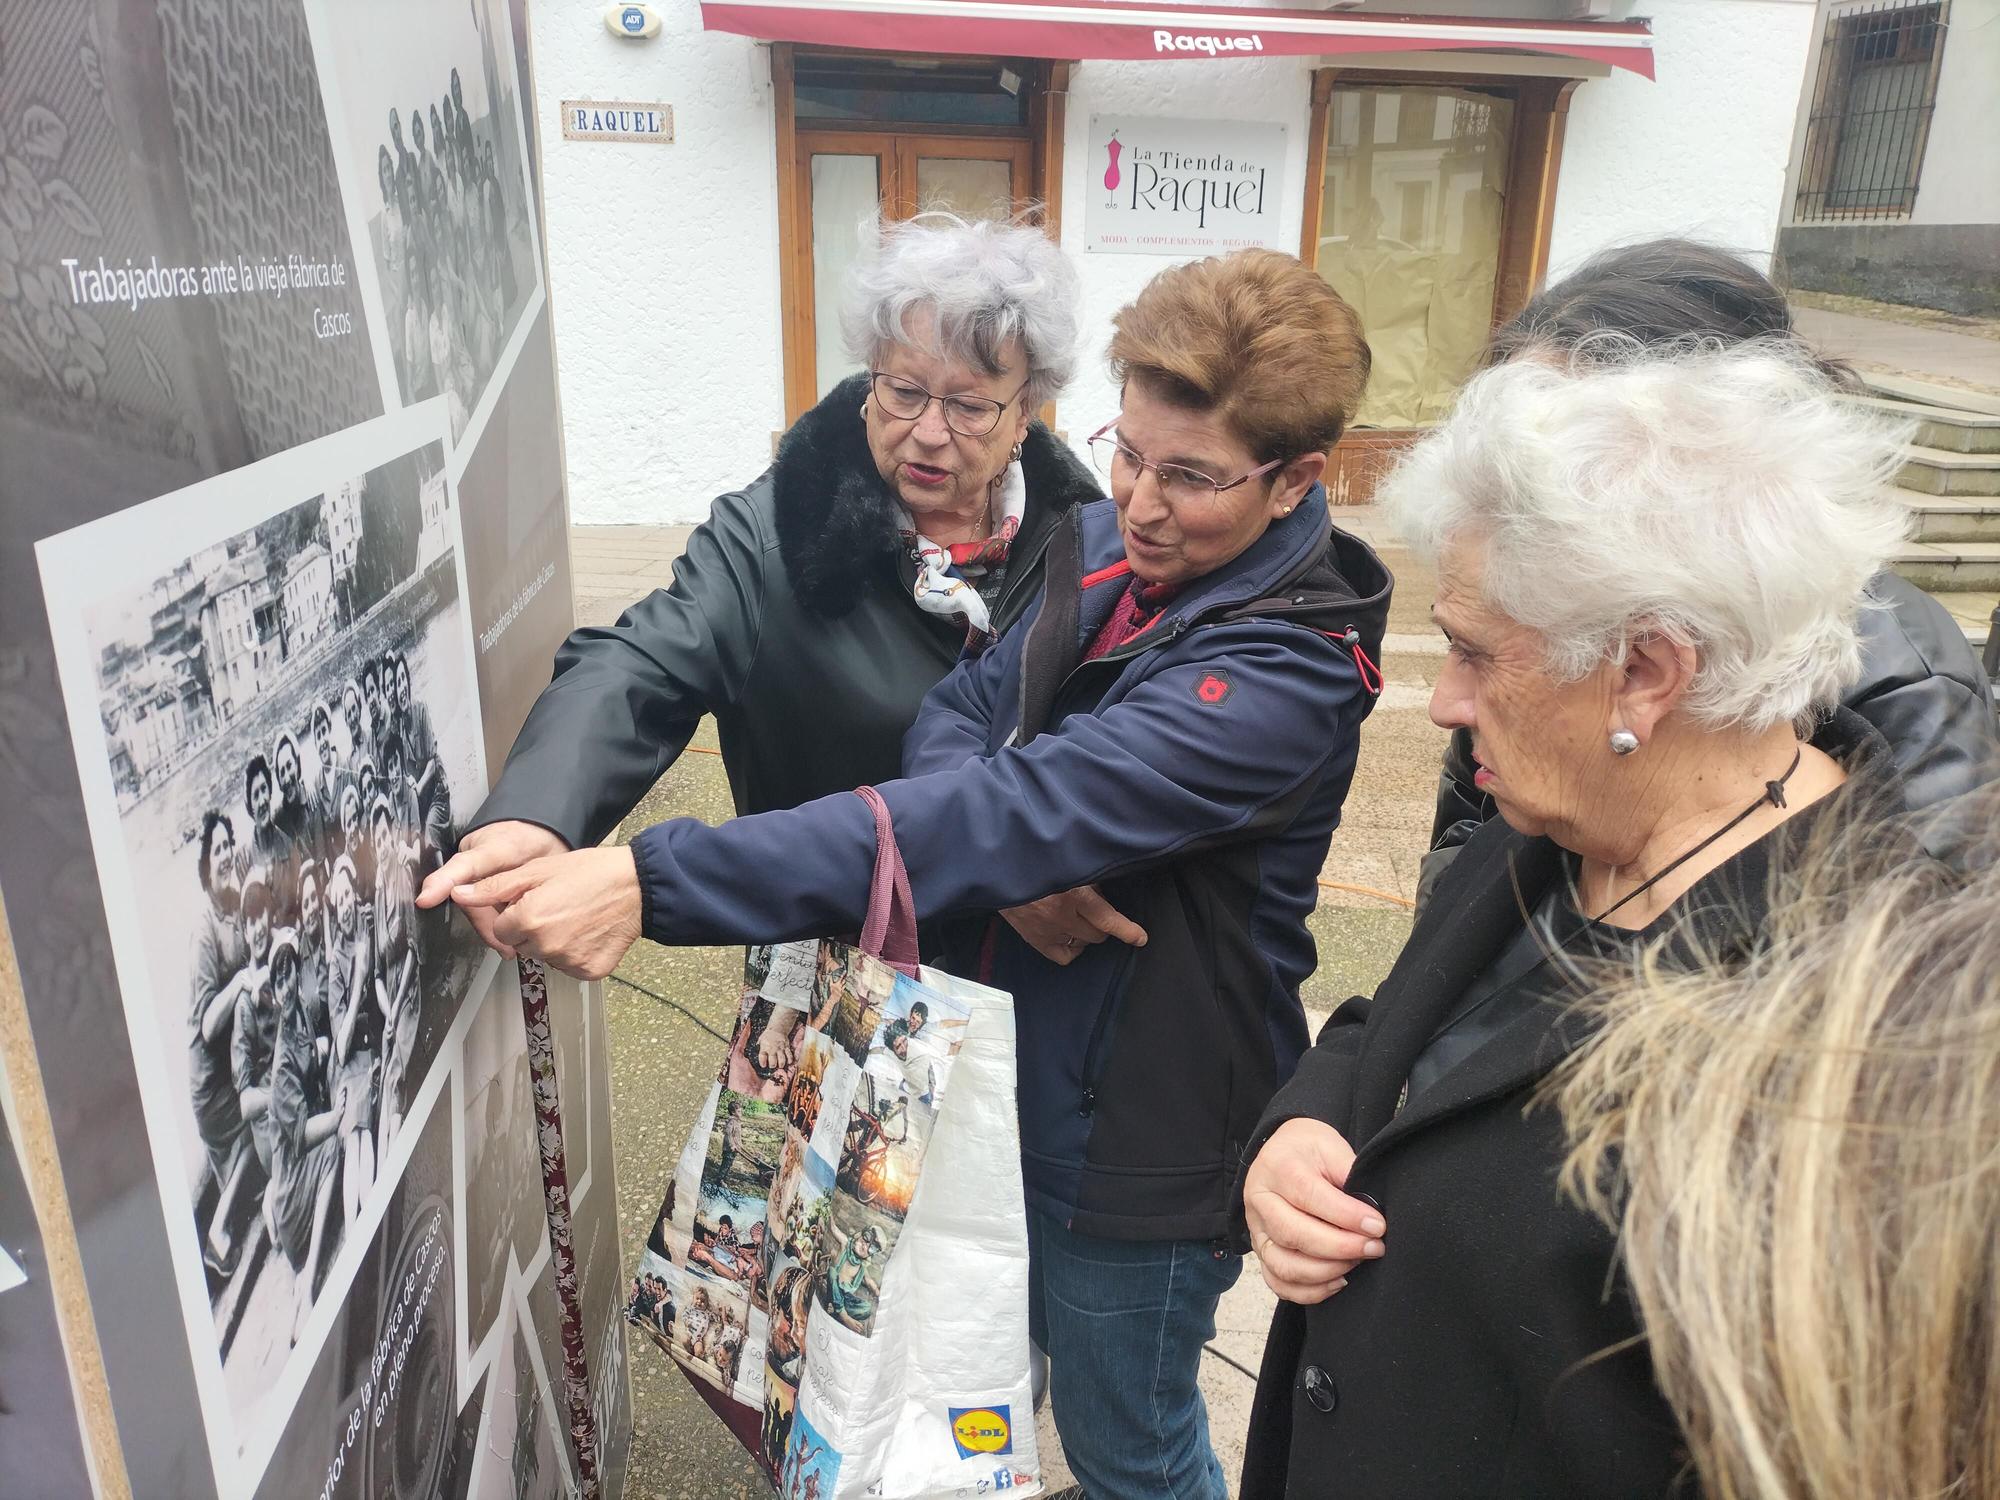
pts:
[1111, 176]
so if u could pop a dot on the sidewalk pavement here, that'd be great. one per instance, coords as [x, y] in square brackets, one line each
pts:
[669, 1010]
[1875, 344]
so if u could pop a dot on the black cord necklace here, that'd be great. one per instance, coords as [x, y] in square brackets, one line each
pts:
[1773, 793]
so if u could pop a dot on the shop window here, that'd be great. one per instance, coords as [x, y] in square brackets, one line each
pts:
[1429, 204]
[1871, 112]
[1413, 198]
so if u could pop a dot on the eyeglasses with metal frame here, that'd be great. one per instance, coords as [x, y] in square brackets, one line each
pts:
[968, 416]
[1179, 484]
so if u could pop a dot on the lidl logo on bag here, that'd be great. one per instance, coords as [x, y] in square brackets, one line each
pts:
[981, 1430]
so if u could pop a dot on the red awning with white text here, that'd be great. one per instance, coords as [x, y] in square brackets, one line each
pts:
[1128, 31]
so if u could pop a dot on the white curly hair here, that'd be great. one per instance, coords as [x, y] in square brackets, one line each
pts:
[982, 282]
[1728, 497]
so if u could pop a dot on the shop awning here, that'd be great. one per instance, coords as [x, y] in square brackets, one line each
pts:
[1130, 31]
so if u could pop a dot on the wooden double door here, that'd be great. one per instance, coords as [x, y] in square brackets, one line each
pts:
[844, 176]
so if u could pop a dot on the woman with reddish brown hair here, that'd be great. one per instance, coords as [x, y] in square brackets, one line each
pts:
[1156, 755]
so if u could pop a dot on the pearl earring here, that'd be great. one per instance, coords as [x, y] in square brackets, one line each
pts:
[1623, 742]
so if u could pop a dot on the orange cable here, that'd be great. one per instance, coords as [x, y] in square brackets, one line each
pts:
[1365, 890]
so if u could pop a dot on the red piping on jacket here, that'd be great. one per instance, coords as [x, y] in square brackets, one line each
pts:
[1104, 575]
[1371, 675]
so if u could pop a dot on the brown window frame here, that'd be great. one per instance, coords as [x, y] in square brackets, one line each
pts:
[1541, 118]
[1048, 83]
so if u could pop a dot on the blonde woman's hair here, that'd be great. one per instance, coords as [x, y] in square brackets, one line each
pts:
[1800, 1153]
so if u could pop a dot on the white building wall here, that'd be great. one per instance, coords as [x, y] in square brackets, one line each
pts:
[1278, 89]
[1961, 179]
[1702, 150]
[664, 259]
[663, 265]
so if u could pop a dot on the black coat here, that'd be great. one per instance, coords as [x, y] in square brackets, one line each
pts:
[1495, 1349]
[790, 619]
[1921, 685]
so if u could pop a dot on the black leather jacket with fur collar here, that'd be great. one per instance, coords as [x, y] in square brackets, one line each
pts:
[790, 618]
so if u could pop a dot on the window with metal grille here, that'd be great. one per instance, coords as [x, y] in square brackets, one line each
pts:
[1871, 112]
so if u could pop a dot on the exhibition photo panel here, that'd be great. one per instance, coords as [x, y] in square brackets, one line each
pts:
[378, 1415]
[505, 1227]
[179, 280]
[269, 683]
[517, 566]
[434, 153]
[281, 433]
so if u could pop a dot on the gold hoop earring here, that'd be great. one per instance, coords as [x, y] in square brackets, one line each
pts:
[1017, 453]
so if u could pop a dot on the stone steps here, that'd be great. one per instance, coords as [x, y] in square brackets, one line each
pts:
[1950, 481]
[1912, 392]
[1939, 471]
[1942, 519]
[1948, 429]
[1951, 567]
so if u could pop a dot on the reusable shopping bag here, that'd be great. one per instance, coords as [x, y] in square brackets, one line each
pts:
[842, 1257]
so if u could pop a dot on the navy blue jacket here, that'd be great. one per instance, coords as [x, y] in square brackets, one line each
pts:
[1195, 775]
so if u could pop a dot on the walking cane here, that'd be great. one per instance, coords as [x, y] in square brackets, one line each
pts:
[555, 1188]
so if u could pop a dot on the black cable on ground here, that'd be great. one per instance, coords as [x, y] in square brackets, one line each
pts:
[1210, 1348]
[673, 1005]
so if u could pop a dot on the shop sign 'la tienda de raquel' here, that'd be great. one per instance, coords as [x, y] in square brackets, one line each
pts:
[1183, 187]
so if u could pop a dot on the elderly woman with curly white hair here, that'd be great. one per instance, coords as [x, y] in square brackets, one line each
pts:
[904, 518]
[1649, 574]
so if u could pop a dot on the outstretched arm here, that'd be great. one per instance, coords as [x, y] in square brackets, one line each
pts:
[1159, 774]
[1156, 775]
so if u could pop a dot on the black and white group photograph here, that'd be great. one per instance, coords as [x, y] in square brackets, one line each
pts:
[435, 162]
[291, 738]
[519, 1461]
[388, 1354]
[502, 1197]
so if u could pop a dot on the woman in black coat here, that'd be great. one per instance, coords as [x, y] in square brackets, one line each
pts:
[1649, 573]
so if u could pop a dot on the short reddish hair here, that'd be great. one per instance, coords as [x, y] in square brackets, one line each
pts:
[1255, 337]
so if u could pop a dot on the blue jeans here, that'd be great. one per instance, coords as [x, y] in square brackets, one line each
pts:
[1123, 1323]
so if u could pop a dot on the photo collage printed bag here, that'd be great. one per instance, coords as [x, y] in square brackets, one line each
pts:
[860, 1336]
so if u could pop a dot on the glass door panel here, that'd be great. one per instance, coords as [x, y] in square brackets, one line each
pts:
[844, 177]
[972, 189]
[976, 179]
[845, 190]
